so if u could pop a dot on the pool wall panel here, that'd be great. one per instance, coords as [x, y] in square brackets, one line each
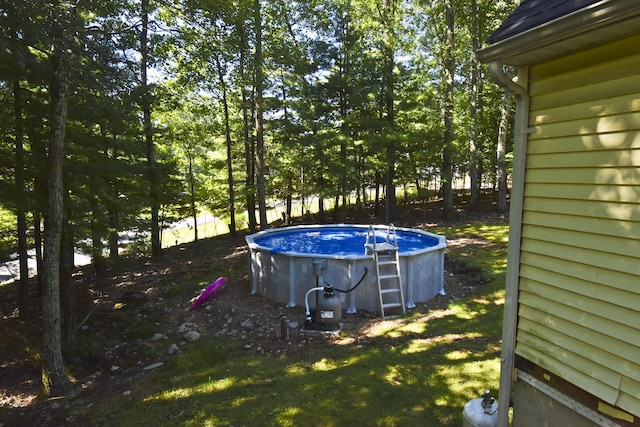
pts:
[286, 278]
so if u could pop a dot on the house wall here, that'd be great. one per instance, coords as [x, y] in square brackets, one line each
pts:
[579, 285]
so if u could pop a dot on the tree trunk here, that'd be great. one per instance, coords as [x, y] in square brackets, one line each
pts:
[38, 147]
[156, 246]
[289, 202]
[262, 204]
[249, 154]
[389, 19]
[345, 131]
[19, 174]
[322, 216]
[37, 240]
[97, 218]
[448, 72]
[54, 381]
[473, 146]
[95, 225]
[501, 151]
[390, 201]
[192, 197]
[113, 234]
[21, 202]
[321, 211]
[67, 286]
[376, 209]
[227, 128]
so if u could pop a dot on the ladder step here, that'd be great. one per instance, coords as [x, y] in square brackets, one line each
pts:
[385, 255]
[383, 247]
[391, 305]
[395, 316]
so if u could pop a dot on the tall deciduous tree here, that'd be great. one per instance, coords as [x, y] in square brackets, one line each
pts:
[473, 134]
[448, 72]
[249, 145]
[20, 172]
[145, 102]
[228, 144]
[501, 152]
[54, 380]
[259, 115]
[388, 16]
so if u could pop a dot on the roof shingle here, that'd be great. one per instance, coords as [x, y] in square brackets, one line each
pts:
[533, 13]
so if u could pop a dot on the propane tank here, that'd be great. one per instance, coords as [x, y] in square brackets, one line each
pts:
[329, 307]
[481, 412]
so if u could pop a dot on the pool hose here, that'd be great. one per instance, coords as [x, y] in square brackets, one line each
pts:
[366, 270]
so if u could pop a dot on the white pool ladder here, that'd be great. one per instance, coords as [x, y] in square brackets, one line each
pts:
[387, 262]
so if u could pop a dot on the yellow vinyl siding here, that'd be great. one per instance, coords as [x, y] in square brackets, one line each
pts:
[579, 301]
[596, 125]
[620, 247]
[576, 144]
[630, 390]
[611, 280]
[537, 352]
[578, 95]
[588, 316]
[604, 62]
[586, 208]
[596, 193]
[610, 376]
[604, 159]
[614, 105]
[584, 176]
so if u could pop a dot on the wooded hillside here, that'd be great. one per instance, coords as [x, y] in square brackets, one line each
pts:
[125, 116]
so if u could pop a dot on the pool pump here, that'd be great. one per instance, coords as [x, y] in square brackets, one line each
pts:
[328, 313]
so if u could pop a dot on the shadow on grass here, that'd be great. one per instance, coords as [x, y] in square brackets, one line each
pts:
[418, 370]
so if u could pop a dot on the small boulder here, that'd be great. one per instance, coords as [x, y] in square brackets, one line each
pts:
[153, 366]
[185, 327]
[157, 337]
[247, 325]
[173, 349]
[191, 336]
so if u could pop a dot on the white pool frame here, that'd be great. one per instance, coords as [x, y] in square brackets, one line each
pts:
[285, 277]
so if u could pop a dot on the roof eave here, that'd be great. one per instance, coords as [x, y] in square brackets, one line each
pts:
[596, 24]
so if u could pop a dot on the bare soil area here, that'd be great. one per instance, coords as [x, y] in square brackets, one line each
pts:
[136, 314]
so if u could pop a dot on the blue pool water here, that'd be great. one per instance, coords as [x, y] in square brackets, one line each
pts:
[338, 240]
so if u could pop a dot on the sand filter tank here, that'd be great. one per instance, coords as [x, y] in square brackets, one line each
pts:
[481, 412]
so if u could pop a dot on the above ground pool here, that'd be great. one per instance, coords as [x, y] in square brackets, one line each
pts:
[284, 263]
[337, 241]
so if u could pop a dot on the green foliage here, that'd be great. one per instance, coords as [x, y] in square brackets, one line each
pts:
[352, 90]
[8, 238]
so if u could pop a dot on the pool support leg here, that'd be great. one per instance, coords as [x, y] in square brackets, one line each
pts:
[292, 283]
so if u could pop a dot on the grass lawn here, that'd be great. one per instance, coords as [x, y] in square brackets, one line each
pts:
[417, 370]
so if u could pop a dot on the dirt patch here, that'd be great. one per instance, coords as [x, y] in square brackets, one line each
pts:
[136, 314]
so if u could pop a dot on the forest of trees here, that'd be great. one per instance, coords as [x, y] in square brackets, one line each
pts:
[127, 115]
